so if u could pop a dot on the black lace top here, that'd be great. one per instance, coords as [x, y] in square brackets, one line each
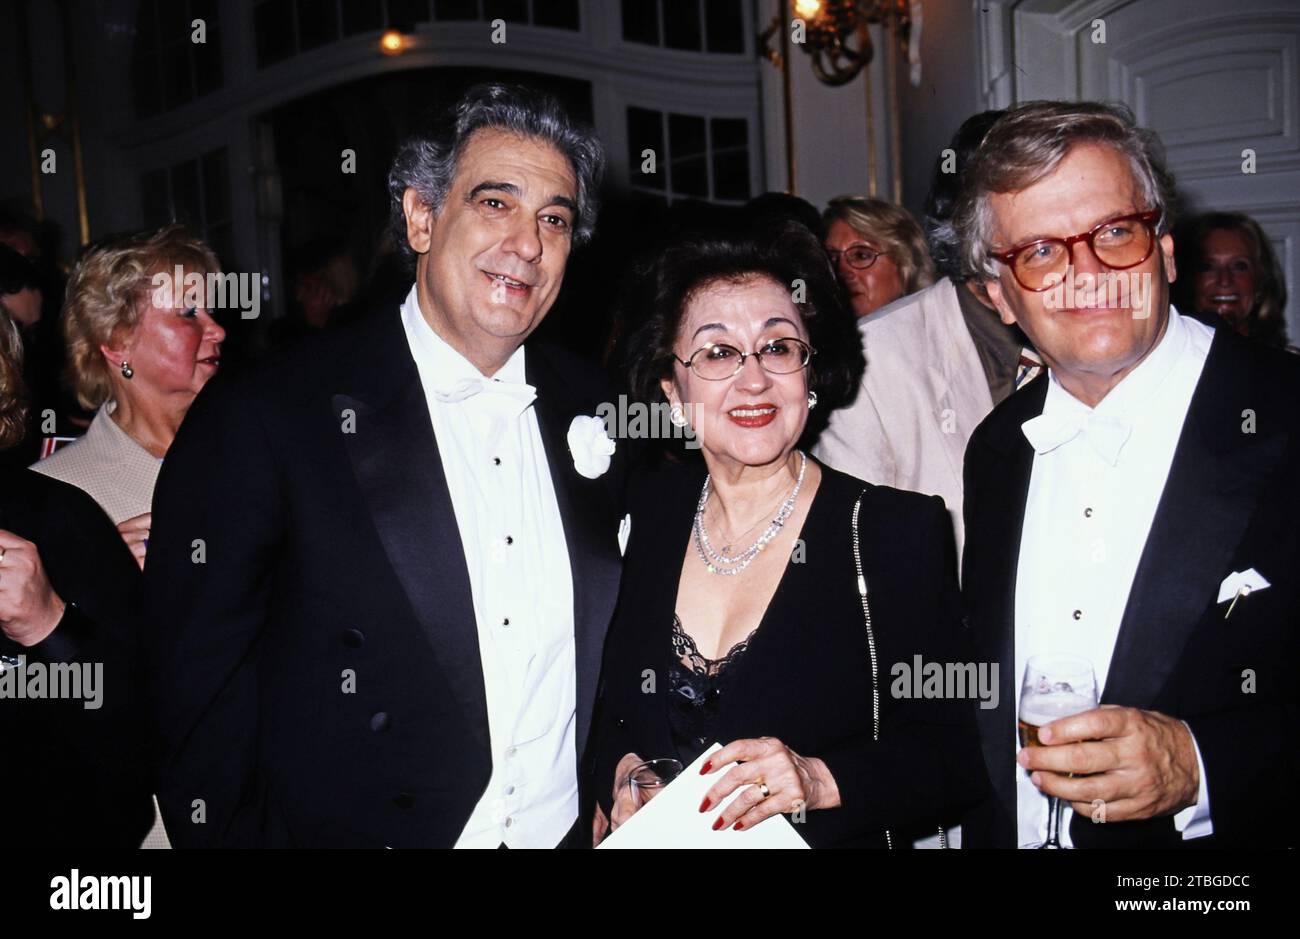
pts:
[696, 686]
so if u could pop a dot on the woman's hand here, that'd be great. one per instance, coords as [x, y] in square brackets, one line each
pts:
[624, 804]
[793, 782]
[135, 532]
[29, 607]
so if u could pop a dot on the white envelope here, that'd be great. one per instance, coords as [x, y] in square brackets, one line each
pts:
[1234, 583]
[672, 819]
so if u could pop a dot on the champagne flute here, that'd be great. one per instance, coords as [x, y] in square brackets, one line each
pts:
[648, 778]
[1055, 686]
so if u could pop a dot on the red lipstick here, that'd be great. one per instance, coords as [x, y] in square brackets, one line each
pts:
[753, 415]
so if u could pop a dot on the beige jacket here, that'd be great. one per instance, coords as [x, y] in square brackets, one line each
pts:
[111, 467]
[923, 394]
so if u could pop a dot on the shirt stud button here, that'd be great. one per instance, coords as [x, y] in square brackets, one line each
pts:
[1078, 614]
[496, 461]
[509, 540]
[1087, 513]
[506, 621]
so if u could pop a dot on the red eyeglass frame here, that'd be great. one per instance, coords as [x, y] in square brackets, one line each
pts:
[1148, 218]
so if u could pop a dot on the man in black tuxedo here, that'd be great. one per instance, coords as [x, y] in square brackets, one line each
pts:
[382, 567]
[1138, 509]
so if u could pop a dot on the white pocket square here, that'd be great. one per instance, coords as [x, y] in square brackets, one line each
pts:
[1241, 582]
[624, 529]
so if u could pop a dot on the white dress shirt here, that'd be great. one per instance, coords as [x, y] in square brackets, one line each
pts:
[1098, 474]
[518, 561]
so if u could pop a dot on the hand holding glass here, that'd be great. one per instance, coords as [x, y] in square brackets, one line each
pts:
[648, 778]
[1055, 686]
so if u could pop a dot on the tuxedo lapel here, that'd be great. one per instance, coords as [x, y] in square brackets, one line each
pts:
[994, 525]
[590, 530]
[397, 465]
[1212, 492]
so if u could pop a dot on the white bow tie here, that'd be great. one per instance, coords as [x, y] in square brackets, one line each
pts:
[518, 392]
[1105, 434]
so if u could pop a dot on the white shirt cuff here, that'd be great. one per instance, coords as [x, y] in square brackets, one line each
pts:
[1194, 821]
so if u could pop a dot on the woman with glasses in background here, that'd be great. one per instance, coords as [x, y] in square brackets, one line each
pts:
[878, 251]
[740, 600]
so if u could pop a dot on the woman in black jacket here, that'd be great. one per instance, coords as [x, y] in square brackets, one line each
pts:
[775, 605]
[75, 772]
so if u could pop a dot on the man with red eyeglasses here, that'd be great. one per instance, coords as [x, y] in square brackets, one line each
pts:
[1138, 510]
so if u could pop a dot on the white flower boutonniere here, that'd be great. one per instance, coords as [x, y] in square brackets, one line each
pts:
[590, 445]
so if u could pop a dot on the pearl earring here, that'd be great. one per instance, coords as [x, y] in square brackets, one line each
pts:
[127, 370]
[677, 416]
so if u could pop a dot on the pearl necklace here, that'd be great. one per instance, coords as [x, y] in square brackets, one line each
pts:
[719, 563]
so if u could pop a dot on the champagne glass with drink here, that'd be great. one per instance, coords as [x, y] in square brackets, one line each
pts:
[1055, 686]
[648, 778]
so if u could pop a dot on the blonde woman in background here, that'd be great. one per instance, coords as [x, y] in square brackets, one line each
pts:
[878, 250]
[140, 354]
[20, 306]
[1229, 270]
[13, 402]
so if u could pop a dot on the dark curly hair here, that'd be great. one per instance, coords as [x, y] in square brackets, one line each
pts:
[945, 187]
[656, 297]
[427, 160]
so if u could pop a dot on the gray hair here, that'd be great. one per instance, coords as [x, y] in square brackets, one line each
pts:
[427, 161]
[893, 228]
[1028, 143]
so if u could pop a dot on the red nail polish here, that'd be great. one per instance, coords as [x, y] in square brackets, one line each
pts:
[704, 806]
[718, 824]
[705, 768]
[738, 826]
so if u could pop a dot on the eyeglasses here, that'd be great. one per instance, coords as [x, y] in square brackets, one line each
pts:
[717, 361]
[859, 257]
[1119, 243]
